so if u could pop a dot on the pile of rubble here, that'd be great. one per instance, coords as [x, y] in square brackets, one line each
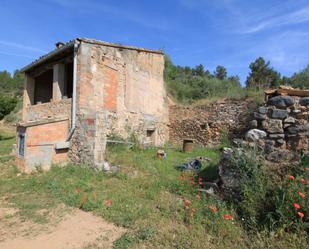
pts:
[283, 123]
[207, 124]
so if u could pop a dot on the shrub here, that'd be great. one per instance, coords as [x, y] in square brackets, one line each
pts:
[7, 104]
[15, 115]
[269, 204]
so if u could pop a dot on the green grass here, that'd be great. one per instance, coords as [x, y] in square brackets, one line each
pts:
[7, 139]
[147, 198]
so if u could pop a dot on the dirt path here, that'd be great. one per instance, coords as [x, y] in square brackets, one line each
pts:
[77, 229]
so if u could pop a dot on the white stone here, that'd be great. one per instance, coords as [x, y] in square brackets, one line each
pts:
[255, 135]
[106, 166]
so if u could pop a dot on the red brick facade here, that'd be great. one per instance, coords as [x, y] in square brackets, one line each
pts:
[40, 143]
[110, 89]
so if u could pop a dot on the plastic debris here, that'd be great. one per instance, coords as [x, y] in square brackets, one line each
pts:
[195, 165]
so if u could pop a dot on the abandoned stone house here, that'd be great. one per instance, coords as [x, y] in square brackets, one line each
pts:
[82, 93]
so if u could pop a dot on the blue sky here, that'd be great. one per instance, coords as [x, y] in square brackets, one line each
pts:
[231, 33]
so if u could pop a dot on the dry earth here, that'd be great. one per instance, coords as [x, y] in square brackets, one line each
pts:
[70, 229]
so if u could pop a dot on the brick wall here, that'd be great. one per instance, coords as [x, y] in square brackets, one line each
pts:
[40, 143]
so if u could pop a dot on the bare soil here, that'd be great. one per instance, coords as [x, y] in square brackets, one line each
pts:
[74, 229]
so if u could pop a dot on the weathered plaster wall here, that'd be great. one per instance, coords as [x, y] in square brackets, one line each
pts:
[121, 92]
[40, 145]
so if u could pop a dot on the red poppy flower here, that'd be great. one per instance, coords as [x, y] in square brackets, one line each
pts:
[181, 178]
[187, 203]
[108, 202]
[307, 169]
[300, 214]
[213, 208]
[192, 182]
[193, 210]
[301, 194]
[291, 177]
[77, 190]
[226, 217]
[296, 205]
[302, 180]
[200, 179]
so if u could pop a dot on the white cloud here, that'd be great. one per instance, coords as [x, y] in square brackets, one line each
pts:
[287, 51]
[18, 55]
[21, 46]
[296, 17]
[132, 14]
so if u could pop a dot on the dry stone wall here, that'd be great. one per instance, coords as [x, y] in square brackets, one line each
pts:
[206, 124]
[283, 122]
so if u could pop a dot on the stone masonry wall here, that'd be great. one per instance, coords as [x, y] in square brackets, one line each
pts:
[54, 109]
[207, 123]
[283, 122]
[119, 92]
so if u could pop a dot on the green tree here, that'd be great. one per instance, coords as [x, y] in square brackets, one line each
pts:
[187, 84]
[300, 79]
[11, 84]
[199, 70]
[7, 104]
[262, 75]
[220, 73]
[235, 80]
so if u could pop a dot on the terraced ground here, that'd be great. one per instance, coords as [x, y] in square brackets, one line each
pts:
[147, 203]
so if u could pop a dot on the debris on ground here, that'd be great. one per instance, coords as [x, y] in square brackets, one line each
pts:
[195, 165]
[161, 154]
[106, 167]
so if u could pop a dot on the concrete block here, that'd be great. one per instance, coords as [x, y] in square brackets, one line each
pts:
[62, 145]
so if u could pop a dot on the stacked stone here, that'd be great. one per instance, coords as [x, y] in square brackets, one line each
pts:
[282, 123]
[207, 123]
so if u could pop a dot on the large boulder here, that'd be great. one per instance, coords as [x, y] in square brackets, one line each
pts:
[279, 114]
[280, 156]
[273, 125]
[281, 101]
[254, 135]
[263, 109]
[304, 101]
[289, 120]
[259, 116]
[229, 176]
[253, 124]
[303, 115]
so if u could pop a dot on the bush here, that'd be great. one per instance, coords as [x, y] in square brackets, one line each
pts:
[187, 84]
[7, 104]
[269, 204]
